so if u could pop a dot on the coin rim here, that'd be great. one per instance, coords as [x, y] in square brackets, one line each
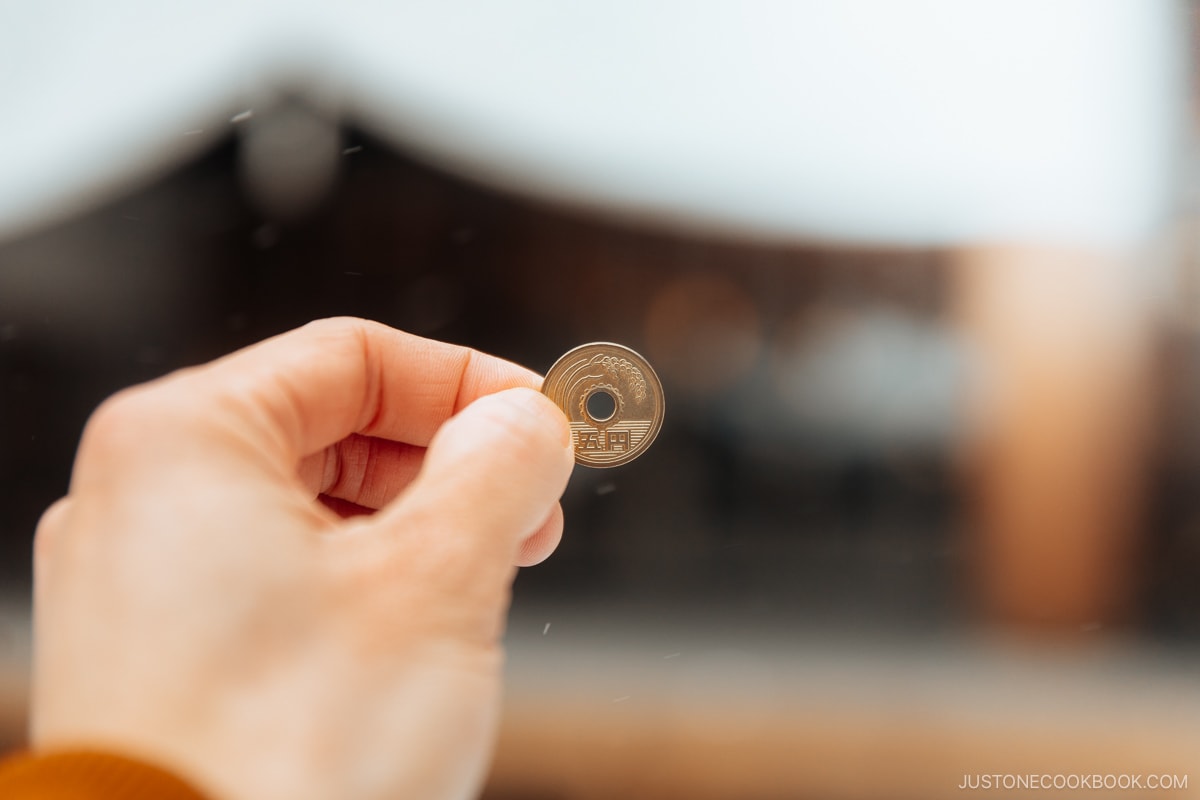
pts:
[657, 420]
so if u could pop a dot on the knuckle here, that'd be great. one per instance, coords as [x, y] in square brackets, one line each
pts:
[136, 421]
[49, 531]
[336, 323]
[116, 421]
[349, 462]
[45, 545]
[347, 332]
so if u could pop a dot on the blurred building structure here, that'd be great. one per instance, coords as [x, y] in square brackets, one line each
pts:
[926, 503]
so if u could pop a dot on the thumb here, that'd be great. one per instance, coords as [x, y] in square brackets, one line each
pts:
[492, 475]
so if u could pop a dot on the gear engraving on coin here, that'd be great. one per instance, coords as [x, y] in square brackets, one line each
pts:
[618, 403]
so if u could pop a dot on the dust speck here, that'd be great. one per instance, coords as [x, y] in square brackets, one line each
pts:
[241, 116]
[546, 629]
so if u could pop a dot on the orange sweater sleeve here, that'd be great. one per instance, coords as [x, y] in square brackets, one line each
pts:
[88, 775]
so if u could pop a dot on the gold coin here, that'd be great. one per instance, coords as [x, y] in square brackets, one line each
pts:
[612, 398]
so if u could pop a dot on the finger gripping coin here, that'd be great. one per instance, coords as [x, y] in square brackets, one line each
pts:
[612, 398]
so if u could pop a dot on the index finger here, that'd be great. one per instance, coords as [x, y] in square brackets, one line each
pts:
[306, 389]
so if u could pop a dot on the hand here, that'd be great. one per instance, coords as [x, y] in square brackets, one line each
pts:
[200, 605]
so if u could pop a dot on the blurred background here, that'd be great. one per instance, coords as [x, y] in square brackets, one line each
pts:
[926, 502]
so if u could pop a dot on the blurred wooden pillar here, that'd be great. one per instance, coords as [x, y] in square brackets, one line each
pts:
[1058, 426]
